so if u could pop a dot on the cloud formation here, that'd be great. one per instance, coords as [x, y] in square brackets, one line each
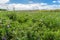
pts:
[4, 1]
[35, 6]
[56, 1]
[30, 6]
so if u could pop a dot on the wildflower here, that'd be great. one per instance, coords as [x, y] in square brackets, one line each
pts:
[3, 38]
[8, 26]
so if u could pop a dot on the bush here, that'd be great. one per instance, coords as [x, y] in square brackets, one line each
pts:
[30, 26]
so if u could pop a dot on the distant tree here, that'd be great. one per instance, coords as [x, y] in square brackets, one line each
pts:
[3, 10]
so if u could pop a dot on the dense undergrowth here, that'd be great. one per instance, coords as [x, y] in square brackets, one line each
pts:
[30, 25]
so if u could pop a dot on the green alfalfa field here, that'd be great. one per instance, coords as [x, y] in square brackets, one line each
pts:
[30, 25]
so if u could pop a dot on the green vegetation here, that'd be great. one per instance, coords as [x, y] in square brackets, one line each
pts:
[30, 25]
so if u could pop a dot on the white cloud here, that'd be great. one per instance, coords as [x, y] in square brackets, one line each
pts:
[33, 6]
[43, 3]
[4, 1]
[57, 1]
[54, 1]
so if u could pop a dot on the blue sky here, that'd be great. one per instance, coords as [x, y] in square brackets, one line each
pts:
[34, 1]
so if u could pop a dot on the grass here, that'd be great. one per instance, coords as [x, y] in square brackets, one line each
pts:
[30, 25]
